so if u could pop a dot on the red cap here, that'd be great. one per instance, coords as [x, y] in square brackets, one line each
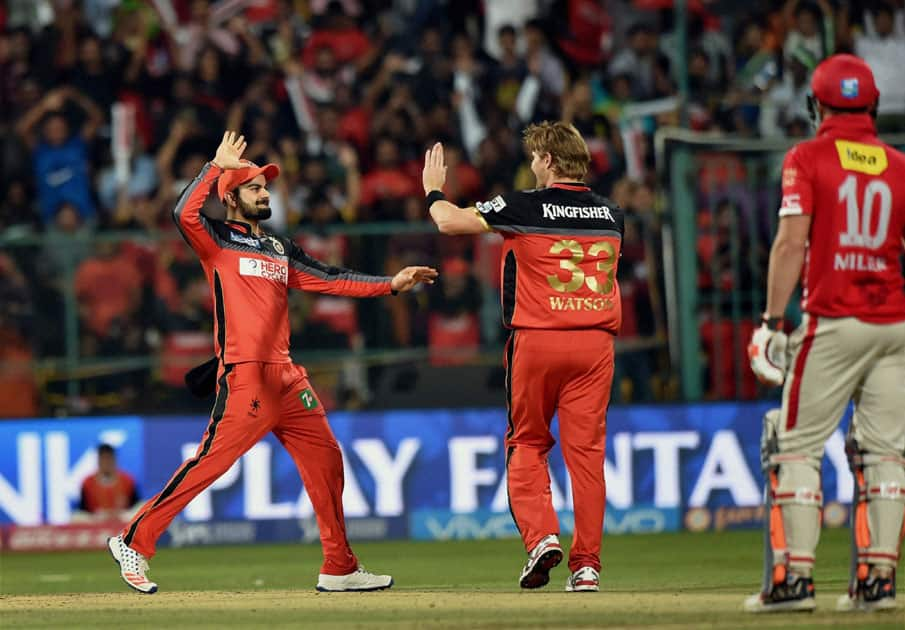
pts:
[844, 82]
[230, 178]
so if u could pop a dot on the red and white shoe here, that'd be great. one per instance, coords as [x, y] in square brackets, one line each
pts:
[132, 566]
[545, 555]
[585, 579]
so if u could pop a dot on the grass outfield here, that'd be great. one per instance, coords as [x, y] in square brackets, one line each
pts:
[670, 580]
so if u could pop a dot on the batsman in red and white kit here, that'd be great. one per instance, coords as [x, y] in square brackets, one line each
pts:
[560, 299]
[259, 390]
[841, 229]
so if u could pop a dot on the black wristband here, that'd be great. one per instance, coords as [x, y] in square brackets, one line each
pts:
[773, 323]
[432, 196]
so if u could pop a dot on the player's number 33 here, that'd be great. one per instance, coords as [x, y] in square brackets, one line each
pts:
[607, 266]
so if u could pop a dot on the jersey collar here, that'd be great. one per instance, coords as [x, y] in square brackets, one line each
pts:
[240, 225]
[576, 186]
[859, 123]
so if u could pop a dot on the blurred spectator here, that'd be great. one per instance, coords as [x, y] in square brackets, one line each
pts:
[110, 494]
[61, 159]
[339, 37]
[18, 211]
[387, 183]
[810, 27]
[884, 51]
[786, 101]
[509, 72]
[545, 68]
[589, 36]
[108, 288]
[92, 75]
[206, 26]
[638, 60]
[505, 13]
[18, 384]
[454, 332]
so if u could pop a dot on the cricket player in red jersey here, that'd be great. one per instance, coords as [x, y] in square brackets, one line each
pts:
[841, 228]
[561, 301]
[259, 389]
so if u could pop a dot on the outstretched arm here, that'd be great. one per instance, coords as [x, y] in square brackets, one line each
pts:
[450, 218]
[311, 274]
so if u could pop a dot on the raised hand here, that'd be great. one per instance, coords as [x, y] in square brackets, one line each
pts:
[410, 277]
[230, 151]
[434, 174]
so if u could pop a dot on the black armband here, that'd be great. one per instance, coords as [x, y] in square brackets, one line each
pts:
[433, 196]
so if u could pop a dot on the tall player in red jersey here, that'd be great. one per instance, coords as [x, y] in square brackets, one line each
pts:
[561, 301]
[841, 229]
[259, 389]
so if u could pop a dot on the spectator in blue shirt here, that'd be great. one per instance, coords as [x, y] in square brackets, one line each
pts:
[60, 159]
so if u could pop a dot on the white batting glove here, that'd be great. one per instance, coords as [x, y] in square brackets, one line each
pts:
[767, 352]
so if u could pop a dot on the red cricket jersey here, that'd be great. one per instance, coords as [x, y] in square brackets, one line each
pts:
[560, 253]
[249, 276]
[853, 187]
[99, 494]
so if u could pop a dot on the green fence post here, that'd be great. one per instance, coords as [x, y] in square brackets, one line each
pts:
[684, 228]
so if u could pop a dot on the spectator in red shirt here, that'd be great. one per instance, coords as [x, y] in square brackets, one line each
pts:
[387, 184]
[341, 35]
[108, 288]
[108, 494]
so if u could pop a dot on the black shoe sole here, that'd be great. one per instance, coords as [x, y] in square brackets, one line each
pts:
[540, 574]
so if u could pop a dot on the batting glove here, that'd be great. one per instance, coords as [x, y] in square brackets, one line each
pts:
[767, 352]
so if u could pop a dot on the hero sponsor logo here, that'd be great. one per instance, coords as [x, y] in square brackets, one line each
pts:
[262, 268]
[553, 211]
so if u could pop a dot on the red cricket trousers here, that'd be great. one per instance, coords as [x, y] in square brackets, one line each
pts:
[252, 400]
[569, 372]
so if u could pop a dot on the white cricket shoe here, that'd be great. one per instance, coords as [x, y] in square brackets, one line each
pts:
[132, 566]
[358, 580]
[585, 579]
[794, 594]
[545, 555]
[872, 594]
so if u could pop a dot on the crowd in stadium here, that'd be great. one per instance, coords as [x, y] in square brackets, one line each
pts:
[345, 96]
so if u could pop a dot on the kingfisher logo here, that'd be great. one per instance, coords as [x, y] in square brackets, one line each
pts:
[849, 88]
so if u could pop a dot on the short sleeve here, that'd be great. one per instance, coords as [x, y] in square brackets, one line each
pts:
[797, 191]
[509, 209]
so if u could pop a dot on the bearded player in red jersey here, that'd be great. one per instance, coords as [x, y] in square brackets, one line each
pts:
[561, 301]
[259, 389]
[841, 229]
